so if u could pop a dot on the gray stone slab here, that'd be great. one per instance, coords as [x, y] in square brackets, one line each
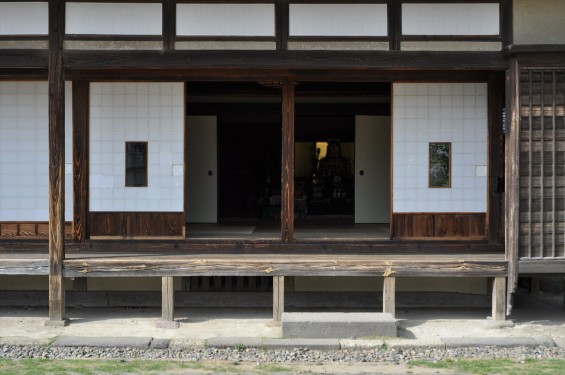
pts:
[104, 342]
[312, 344]
[338, 325]
[559, 341]
[507, 342]
[230, 342]
[159, 344]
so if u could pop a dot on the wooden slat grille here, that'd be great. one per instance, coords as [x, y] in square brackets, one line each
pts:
[542, 163]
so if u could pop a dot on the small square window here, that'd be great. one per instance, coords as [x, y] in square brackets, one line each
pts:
[136, 164]
[439, 170]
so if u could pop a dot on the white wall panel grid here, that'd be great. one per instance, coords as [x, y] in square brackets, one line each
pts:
[442, 112]
[24, 151]
[24, 18]
[226, 19]
[451, 19]
[136, 112]
[338, 20]
[114, 18]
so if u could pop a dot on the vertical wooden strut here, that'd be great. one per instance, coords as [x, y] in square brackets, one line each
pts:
[81, 106]
[278, 297]
[56, 163]
[167, 304]
[287, 196]
[169, 24]
[512, 165]
[499, 298]
[389, 294]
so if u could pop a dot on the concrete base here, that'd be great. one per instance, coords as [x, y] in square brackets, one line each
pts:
[57, 323]
[167, 324]
[338, 325]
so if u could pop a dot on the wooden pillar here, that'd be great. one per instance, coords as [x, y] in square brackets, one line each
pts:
[512, 176]
[389, 295]
[278, 297]
[56, 164]
[81, 110]
[499, 298]
[169, 24]
[167, 304]
[287, 182]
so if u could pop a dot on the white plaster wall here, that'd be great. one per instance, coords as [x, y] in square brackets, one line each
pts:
[442, 112]
[143, 112]
[23, 18]
[114, 18]
[338, 20]
[24, 151]
[226, 19]
[450, 19]
[539, 22]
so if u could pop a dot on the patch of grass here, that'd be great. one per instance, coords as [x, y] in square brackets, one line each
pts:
[239, 347]
[270, 369]
[498, 366]
[94, 366]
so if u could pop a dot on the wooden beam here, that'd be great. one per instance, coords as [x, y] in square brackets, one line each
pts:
[287, 183]
[389, 295]
[56, 163]
[278, 298]
[512, 176]
[81, 109]
[394, 24]
[499, 298]
[251, 60]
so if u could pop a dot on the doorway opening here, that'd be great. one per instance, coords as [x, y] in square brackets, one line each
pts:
[342, 161]
[235, 129]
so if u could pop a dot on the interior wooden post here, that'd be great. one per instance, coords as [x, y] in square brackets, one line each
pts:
[287, 194]
[56, 164]
[278, 297]
[499, 298]
[167, 304]
[81, 108]
[389, 291]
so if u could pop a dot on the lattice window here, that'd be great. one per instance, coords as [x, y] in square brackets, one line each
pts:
[542, 163]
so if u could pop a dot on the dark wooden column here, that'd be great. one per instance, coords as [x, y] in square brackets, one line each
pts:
[169, 24]
[81, 108]
[495, 161]
[56, 163]
[287, 183]
[512, 177]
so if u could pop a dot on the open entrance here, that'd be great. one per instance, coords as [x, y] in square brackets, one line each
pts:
[233, 160]
[342, 161]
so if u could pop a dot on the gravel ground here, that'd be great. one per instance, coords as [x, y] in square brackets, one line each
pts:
[299, 355]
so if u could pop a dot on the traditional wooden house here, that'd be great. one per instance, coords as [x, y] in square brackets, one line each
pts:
[213, 142]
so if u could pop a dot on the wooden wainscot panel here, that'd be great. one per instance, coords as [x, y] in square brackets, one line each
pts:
[467, 226]
[29, 229]
[413, 225]
[134, 225]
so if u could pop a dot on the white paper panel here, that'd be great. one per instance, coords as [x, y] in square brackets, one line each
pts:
[24, 19]
[440, 112]
[151, 112]
[338, 20]
[226, 19]
[24, 151]
[114, 18]
[450, 19]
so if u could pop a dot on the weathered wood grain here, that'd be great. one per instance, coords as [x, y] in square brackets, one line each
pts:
[136, 224]
[389, 295]
[56, 161]
[287, 182]
[499, 298]
[167, 299]
[81, 117]
[278, 298]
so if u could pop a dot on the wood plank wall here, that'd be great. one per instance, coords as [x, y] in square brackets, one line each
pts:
[542, 163]
[136, 224]
[468, 226]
